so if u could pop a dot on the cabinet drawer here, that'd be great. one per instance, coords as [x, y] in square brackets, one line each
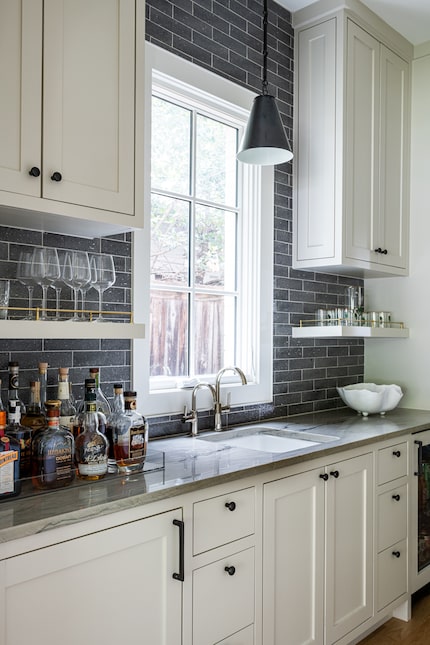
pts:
[392, 516]
[244, 637]
[223, 600]
[392, 574]
[392, 462]
[223, 519]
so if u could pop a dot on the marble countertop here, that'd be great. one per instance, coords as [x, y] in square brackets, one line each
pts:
[195, 463]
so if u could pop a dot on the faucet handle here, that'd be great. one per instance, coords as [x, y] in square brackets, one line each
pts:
[188, 415]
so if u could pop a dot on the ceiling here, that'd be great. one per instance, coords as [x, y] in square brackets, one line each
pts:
[411, 18]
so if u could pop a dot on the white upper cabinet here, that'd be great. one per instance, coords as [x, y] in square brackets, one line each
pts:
[71, 75]
[352, 112]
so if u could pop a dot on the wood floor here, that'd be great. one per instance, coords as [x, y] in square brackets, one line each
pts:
[414, 632]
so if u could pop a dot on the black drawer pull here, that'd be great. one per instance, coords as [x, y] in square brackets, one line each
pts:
[56, 176]
[230, 505]
[181, 575]
[324, 476]
[34, 172]
[396, 554]
[230, 570]
[396, 453]
[396, 497]
[335, 473]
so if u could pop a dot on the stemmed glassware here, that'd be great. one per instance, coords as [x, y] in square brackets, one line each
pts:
[76, 274]
[45, 268]
[25, 276]
[102, 277]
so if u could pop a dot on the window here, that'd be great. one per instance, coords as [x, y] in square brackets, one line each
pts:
[203, 264]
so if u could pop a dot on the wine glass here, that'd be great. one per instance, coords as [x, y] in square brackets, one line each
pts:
[58, 284]
[45, 268]
[25, 276]
[102, 277]
[76, 274]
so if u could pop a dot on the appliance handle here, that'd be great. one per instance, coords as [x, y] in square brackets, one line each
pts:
[420, 458]
[180, 576]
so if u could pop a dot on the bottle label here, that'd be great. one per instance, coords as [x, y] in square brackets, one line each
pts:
[63, 390]
[93, 468]
[67, 422]
[7, 479]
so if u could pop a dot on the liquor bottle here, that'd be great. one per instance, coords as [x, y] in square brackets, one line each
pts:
[13, 393]
[78, 422]
[67, 409]
[43, 380]
[101, 400]
[52, 450]
[10, 483]
[34, 419]
[22, 436]
[118, 410]
[130, 437]
[91, 446]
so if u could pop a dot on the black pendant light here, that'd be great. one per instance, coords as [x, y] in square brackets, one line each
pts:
[264, 142]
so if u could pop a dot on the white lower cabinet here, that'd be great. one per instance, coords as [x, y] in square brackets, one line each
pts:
[112, 586]
[318, 553]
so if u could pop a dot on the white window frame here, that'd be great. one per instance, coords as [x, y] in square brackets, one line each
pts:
[256, 268]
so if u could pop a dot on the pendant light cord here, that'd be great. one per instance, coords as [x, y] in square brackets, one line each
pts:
[265, 52]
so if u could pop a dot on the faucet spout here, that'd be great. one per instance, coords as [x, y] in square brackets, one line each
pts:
[219, 407]
[191, 417]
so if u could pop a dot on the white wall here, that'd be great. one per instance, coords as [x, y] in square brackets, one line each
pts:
[407, 361]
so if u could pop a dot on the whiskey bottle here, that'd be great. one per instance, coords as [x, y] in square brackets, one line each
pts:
[13, 393]
[91, 446]
[22, 436]
[10, 483]
[52, 451]
[130, 437]
[78, 423]
[117, 410]
[67, 409]
[34, 419]
[101, 400]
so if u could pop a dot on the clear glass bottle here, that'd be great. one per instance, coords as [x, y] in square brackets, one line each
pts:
[91, 446]
[43, 380]
[10, 482]
[53, 450]
[130, 437]
[101, 400]
[118, 409]
[67, 409]
[22, 435]
[13, 392]
[34, 419]
[78, 423]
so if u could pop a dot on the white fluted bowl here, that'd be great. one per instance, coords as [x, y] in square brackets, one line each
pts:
[369, 398]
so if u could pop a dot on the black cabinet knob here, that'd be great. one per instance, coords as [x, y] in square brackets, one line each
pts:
[384, 252]
[34, 172]
[230, 570]
[378, 250]
[335, 473]
[230, 505]
[396, 497]
[324, 476]
[396, 554]
[56, 176]
[396, 453]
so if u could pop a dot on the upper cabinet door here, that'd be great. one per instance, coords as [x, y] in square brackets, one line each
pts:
[362, 144]
[88, 103]
[393, 234]
[21, 95]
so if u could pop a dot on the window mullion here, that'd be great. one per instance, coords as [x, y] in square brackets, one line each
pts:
[192, 250]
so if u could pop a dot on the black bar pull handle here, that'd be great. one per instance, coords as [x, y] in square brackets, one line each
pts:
[181, 526]
[420, 458]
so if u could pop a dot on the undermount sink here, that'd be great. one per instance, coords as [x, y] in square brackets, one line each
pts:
[268, 439]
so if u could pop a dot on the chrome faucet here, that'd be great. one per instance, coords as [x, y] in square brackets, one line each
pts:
[191, 416]
[219, 407]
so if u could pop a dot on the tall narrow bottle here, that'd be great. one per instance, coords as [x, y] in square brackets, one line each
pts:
[101, 400]
[52, 450]
[91, 446]
[34, 419]
[117, 410]
[67, 409]
[43, 380]
[10, 482]
[22, 435]
[13, 393]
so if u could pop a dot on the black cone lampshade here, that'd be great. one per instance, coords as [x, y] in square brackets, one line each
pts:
[264, 142]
